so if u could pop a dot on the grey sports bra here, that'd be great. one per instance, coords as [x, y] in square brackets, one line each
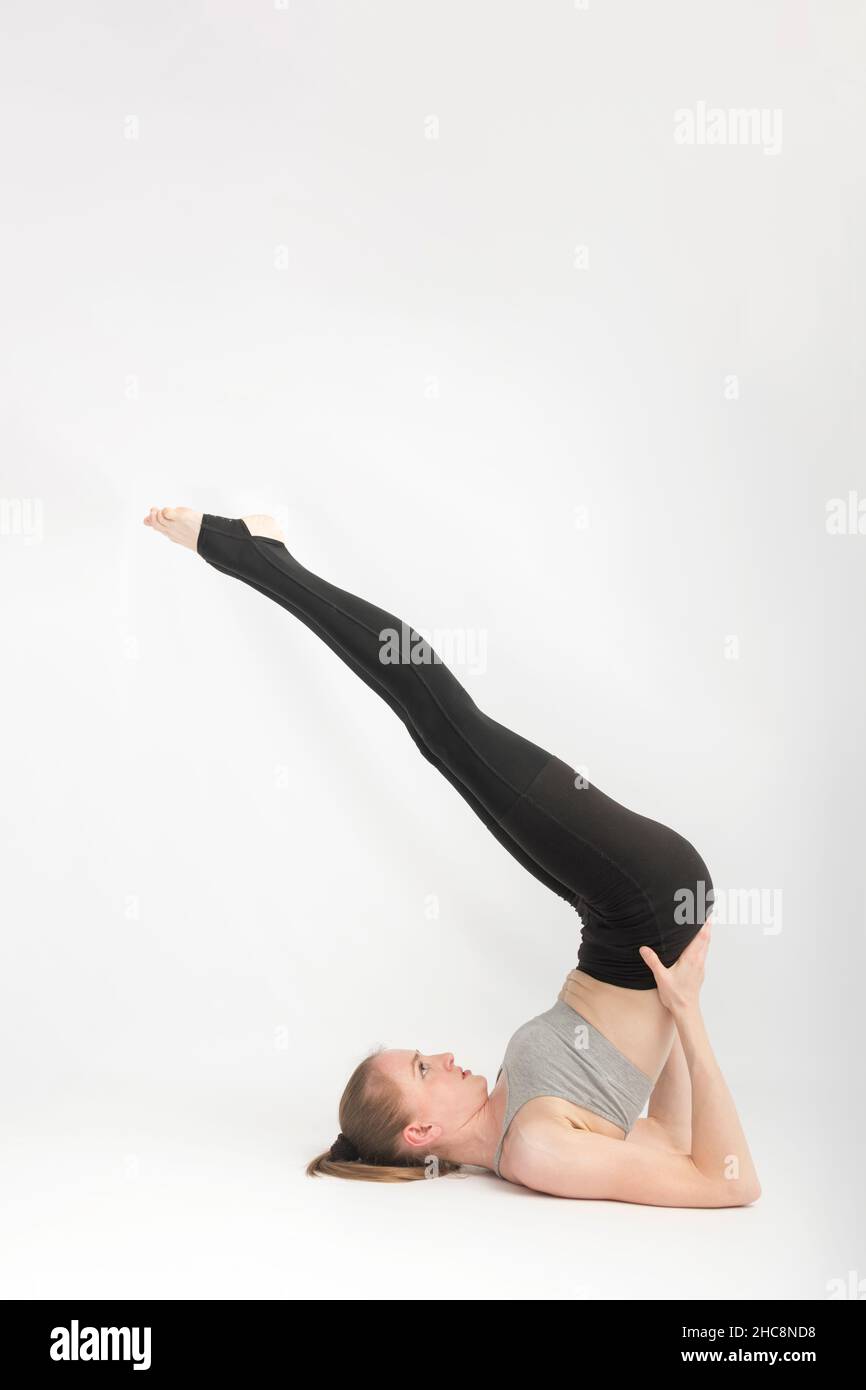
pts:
[560, 1053]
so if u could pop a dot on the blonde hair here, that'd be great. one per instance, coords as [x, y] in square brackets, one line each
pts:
[373, 1117]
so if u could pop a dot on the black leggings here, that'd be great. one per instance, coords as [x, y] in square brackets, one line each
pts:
[633, 881]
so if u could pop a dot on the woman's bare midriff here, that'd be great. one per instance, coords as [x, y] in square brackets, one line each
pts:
[634, 1020]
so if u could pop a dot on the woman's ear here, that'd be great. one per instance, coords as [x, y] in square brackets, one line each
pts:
[421, 1136]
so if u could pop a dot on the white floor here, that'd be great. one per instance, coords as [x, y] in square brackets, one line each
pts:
[201, 1193]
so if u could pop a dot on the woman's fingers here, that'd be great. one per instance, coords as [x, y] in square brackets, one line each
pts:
[651, 959]
[697, 947]
[703, 937]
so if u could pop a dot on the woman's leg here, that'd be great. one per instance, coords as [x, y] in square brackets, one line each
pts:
[486, 762]
[620, 870]
[636, 882]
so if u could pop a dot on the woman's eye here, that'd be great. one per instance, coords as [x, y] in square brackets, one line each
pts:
[423, 1067]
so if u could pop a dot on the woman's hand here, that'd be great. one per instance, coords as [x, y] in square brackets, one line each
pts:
[679, 986]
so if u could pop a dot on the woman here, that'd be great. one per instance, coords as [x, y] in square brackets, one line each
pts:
[626, 1028]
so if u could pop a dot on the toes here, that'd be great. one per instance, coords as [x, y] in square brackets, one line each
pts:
[177, 523]
[160, 519]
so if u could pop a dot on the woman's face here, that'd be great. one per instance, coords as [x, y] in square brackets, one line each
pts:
[439, 1096]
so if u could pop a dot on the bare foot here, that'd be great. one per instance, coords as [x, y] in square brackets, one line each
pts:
[182, 525]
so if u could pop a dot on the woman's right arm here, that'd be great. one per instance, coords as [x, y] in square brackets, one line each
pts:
[719, 1147]
[718, 1144]
[551, 1156]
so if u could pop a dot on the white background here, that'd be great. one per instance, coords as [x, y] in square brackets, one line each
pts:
[240, 274]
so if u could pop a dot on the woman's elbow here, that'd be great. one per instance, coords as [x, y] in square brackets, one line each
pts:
[743, 1195]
